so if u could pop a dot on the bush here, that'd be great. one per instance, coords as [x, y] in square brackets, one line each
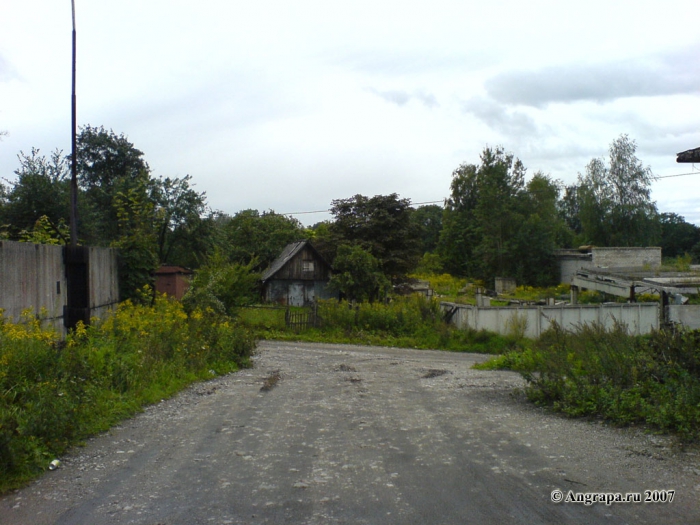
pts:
[591, 371]
[54, 393]
[222, 286]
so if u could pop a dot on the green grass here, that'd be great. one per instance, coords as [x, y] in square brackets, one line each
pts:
[406, 322]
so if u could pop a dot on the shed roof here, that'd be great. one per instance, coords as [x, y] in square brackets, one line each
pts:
[169, 270]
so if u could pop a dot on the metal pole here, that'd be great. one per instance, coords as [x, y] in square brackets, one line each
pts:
[74, 156]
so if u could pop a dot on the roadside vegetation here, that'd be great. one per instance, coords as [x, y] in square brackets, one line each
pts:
[405, 322]
[652, 379]
[55, 393]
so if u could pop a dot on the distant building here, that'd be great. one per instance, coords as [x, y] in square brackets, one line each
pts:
[586, 257]
[173, 280]
[297, 277]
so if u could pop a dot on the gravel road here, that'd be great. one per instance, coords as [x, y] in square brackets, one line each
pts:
[324, 434]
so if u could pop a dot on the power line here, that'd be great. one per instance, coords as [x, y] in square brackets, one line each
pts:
[414, 204]
[677, 175]
[328, 211]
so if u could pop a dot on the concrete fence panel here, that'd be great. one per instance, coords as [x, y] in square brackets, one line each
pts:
[33, 276]
[688, 315]
[640, 318]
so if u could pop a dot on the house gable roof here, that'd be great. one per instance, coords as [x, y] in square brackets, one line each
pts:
[691, 155]
[287, 255]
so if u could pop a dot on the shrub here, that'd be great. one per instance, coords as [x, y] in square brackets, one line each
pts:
[591, 371]
[54, 393]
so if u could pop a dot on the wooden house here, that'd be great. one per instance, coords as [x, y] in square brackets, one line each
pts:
[297, 277]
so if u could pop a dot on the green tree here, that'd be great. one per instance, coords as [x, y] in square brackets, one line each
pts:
[358, 275]
[502, 181]
[136, 242]
[678, 237]
[323, 239]
[182, 222]
[482, 215]
[460, 227]
[382, 226]
[569, 207]
[615, 199]
[251, 235]
[40, 190]
[108, 165]
[427, 222]
[494, 224]
[46, 231]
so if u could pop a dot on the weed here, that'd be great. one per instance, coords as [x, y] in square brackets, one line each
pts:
[271, 381]
[653, 379]
[54, 393]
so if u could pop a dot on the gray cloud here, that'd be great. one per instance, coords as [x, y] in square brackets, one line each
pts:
[671, 74]
[7, 72]
[428, 99]
[498, 117]
[401, 98]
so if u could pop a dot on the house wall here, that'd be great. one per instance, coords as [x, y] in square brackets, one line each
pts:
[33, 276]
[294, 269]
[296, 292]
[640, 318]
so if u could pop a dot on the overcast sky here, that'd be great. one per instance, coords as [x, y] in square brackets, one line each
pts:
[287, 105]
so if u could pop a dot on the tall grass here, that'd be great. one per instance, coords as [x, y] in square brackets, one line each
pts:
[54, 393]
[653, 379]
[407, 322]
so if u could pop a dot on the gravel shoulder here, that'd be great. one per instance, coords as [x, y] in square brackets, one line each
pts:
[319, 433]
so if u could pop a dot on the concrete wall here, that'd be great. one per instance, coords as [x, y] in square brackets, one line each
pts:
[640, 318]
[505, 284]
[626, 257]
[688, 315]
[570, 264]
[32, 276]
[104, 280]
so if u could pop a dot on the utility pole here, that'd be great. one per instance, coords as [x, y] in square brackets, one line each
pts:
[74, 153]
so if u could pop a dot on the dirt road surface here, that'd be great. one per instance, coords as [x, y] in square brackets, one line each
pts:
[359, 435]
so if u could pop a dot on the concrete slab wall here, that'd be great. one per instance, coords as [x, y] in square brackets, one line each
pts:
[688, 315]
[32, 276]
[569, 265]
[640, 318]
[617, 257]
[104, 278]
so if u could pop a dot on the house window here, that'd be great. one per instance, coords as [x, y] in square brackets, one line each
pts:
[307, 266]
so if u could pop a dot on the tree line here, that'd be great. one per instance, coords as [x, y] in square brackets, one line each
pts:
[496, 221]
